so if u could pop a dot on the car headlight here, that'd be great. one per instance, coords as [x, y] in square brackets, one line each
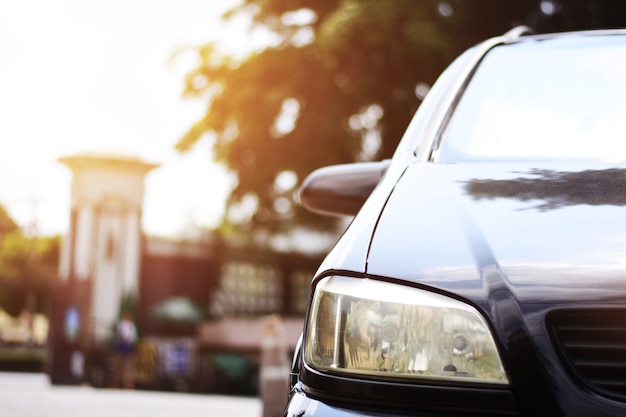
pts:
[385, 330]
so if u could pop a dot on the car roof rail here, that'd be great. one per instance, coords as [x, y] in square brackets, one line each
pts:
[517, 32]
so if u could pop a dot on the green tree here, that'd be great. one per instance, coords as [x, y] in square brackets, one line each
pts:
[27, 269]
[7, 224]
[338, 86]
[339, 83]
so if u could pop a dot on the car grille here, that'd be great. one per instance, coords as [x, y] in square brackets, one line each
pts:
[593, 345]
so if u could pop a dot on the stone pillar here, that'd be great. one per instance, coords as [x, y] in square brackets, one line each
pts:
[101, 253]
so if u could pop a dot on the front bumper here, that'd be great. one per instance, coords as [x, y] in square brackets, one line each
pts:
[302, 405]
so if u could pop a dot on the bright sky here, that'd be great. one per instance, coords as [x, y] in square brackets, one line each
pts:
[85, 75]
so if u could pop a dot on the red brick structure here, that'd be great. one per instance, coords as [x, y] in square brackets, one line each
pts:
[109, 264]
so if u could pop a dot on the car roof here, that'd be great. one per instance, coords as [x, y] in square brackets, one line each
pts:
[522, 33]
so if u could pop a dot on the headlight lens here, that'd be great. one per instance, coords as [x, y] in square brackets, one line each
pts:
[363, 326]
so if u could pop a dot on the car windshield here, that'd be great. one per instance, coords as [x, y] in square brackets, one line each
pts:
[537, 99]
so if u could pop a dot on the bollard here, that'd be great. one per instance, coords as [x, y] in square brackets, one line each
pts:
[274, 372]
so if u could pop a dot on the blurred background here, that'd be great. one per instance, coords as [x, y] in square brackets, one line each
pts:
[150, 154]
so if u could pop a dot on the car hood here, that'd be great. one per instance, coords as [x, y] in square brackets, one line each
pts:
[544, 233]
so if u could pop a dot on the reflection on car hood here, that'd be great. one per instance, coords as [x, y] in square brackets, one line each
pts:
[546, 233]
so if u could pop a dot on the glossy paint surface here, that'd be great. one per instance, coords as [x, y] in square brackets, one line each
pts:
[518, 241]
[553, 229]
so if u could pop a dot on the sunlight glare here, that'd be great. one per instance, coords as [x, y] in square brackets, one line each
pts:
[81, 76]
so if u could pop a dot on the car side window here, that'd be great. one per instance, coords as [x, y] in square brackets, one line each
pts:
[419, 134]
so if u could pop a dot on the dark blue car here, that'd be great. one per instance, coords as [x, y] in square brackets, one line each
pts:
[484, 272]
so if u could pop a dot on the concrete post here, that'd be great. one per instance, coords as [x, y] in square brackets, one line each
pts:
[274, 372]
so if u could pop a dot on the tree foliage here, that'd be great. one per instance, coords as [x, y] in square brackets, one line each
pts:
[7, 224]
[27, 270]
[340, 84]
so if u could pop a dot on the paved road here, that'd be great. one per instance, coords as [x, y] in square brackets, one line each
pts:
[31, 395]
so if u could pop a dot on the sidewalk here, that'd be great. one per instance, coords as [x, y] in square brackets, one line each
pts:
[31, 395]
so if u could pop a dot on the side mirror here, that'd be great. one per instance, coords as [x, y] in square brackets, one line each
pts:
[341, 189]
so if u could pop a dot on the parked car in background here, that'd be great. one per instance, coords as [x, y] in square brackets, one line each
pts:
[485, 271]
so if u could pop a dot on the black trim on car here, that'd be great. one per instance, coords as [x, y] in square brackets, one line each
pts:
[591, 343]
[339, 389]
